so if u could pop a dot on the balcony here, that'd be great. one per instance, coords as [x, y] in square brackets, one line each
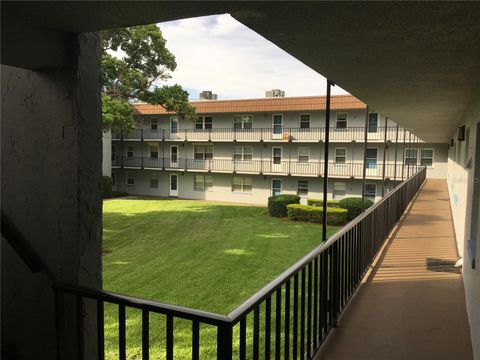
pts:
[283, 134]
[408, 302]
[267, 167]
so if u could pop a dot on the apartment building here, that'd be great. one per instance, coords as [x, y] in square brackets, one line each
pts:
[247, 150]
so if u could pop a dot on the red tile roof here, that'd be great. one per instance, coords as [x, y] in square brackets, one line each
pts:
[308, 103]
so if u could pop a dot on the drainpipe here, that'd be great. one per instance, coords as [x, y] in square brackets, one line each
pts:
[384, 157]
[395, 166]
[365, 139]
[325, 157]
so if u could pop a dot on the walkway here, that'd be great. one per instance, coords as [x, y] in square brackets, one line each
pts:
[412, 305]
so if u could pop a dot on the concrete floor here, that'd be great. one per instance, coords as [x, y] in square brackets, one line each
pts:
[412, 306]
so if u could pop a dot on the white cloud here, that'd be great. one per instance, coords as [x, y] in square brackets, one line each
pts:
[220, 54]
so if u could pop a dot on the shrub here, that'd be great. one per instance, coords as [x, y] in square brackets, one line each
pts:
[277, 205]
[116, 194]
[319, 202]
[335, 216]
[106, 186]
[354, 206]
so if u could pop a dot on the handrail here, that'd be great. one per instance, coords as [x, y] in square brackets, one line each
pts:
[139, 303]
[270, 288]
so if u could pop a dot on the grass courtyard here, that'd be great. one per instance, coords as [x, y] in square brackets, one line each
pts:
[205, 255]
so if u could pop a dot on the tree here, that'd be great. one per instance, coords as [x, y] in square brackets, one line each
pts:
[133, 60]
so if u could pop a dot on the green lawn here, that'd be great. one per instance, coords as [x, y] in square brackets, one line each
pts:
[205, 255]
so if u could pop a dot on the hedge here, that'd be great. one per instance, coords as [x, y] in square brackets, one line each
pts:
[335, 216]
[354, 206]
[277, 205]
[319, 202]
[106, 186]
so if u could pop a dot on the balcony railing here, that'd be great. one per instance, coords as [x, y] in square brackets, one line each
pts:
[292, 315]
[348, 134]
[284, 167]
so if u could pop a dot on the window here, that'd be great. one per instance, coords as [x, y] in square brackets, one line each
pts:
[426, 157]
[130, 151]
[339, 190]
[153, 124]
[304, 121]
[370, 191]
[242, 153]
[174, 124]
[242, 121]
[114, 152]
[341, 122]
[276, 187]
[277, 155]
[371, 158]
[277, 123]
[154, 182]
[114, 179]
[372, 122]
[302, 188]
[130, 179]
[340, 155]
[242, 184]
[303, 154]
[153, 151]
[203, 182]
[410, 156]
[203, 152]
[203, 122]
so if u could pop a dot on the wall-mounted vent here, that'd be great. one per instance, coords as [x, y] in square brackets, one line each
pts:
[461, 133]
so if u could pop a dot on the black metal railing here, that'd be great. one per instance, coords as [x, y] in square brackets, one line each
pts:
[267, 134]
[289, 318]
[268, 166]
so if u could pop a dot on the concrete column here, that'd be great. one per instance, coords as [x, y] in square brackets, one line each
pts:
[51, 176]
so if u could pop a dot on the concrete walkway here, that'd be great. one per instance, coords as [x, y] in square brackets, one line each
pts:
[412, 305]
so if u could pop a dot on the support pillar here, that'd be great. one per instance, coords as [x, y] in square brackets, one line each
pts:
[325, 158]
[364, 174]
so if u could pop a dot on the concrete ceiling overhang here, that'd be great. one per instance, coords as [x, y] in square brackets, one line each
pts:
[416, 62]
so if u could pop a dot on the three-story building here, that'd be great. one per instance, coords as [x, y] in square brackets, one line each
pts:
[247, 150]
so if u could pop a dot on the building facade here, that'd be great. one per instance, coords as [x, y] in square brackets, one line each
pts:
[247, 150]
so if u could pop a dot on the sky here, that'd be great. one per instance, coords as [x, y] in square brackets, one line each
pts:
[219, 54]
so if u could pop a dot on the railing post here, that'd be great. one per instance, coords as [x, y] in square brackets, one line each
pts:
[364, 175]
[384, 157]
[325, 156]
[224, 342]
[395, 162]
[141, 144]
[403, 154]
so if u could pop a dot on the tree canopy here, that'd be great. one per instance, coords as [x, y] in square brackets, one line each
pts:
[134, 60]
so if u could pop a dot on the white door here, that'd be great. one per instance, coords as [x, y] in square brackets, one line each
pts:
[371, 163]
[277, 163]
[174, 185]
[277, 122]
[174, 156]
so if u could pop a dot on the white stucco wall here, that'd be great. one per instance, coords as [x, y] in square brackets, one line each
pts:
[464, 158]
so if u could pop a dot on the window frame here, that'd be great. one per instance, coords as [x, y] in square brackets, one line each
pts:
[204, 152]
[346, 121]
[346, 157]
[113, 155]
[152, 124]
[299, 156]
[375, 193]
[376, 124]
[302, 187]
[113, 175]
[129, 175]
[242, 122]
[300, 121]
[242, 153]
[242, 184]
[367, 158]
[432, 158]
[128, 151]
[204, 182]
[174, 120]
[334, 196]
[150, 146]
[405, 157]
[153, 177]
[273, 124]
[273, 154]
